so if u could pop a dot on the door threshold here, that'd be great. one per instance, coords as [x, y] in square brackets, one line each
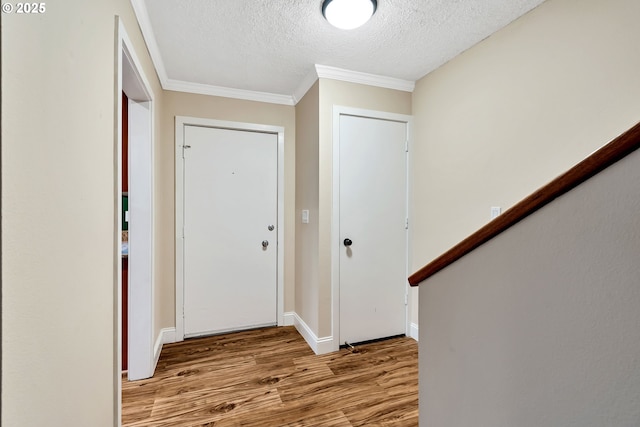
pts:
[353, 345]
[230, 331]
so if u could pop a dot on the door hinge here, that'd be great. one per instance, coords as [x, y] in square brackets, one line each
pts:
[406, 146]
[406, 299]
[184, 147]
[406, 224]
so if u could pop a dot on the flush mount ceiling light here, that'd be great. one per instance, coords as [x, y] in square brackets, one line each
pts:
[348, 14]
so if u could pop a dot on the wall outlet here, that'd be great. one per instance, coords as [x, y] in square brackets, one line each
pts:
[495, 211]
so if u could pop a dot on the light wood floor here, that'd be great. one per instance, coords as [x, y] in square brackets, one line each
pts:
[270, 377]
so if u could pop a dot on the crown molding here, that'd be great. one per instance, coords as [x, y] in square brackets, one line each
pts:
[226, 92]
[334, 73]
[142, 16]
[140, 10]
[304, 86]
[319, 71]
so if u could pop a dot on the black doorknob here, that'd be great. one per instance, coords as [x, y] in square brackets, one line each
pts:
[348, 242]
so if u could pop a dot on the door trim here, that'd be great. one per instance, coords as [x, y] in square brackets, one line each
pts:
[335, 221]
[131, 79]
[181, 122]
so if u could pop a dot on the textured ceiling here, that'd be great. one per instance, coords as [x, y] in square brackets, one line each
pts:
[272, 45]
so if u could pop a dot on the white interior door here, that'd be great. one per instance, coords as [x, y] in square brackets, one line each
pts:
[373, 215]
[230, 239]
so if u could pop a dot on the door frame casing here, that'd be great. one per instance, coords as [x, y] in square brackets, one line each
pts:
[131, 79]
[338, 111]
[180, 123]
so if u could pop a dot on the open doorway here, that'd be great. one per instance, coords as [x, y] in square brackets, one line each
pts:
[125, 232]
[137, 102]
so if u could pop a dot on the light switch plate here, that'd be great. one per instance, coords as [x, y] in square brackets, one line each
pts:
[305, 216]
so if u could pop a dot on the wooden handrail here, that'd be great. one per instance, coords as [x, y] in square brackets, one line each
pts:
[595, 163]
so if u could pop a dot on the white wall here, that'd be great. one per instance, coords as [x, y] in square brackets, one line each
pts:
[540, 326]
[59, 212]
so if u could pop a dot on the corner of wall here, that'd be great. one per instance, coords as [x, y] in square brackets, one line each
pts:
[321, 345]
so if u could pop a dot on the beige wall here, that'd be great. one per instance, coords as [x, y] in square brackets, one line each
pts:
[211, 107]
[490, 126]
[307, 138]
[513, 112]
[540, 326]
[516, 110]
[333, 92]
[59, 212]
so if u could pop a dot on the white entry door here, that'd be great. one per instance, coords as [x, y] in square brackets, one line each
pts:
[230, 236]
[373, 235]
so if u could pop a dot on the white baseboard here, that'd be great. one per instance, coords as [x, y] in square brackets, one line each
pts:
[288, 319]
[325, 345]
[166, 336]
[318, 345]
[413, 331]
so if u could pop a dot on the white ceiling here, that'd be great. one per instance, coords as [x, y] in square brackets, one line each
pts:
[267, 49]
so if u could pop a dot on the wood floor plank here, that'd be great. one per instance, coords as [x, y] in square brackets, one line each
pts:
[270, 377]
[201, 408]
[384, 412]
